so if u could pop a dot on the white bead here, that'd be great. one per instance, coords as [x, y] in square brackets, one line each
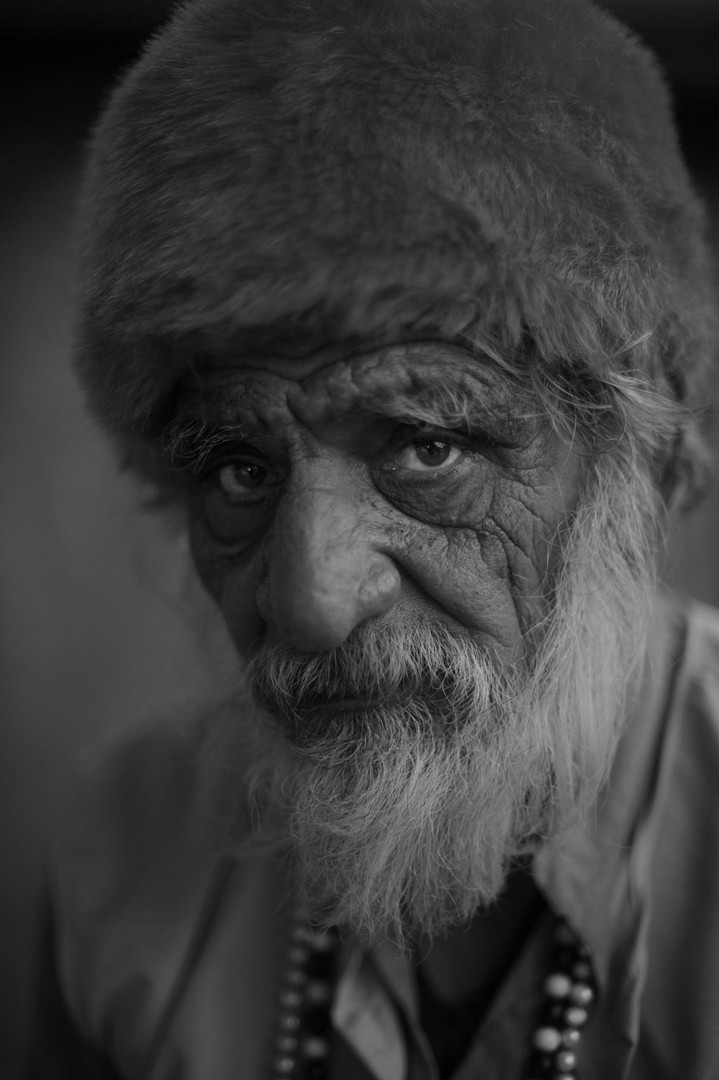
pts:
[302, 936]
[582, 994]
[315, 1047]
[566, 1061]
[291, 999]
[287, 1044]
[290, 1022]
[284, 1066]
[576, 1017]
[547, 1039]
[298, 954]
[571, 1038]
[319, 941]
[558, 985]
[318, 993]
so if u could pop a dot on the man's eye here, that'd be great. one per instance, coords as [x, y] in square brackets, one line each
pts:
[424, 455]
[235, 497]
[236, 479]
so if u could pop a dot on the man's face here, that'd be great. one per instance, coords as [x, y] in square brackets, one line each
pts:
[410, 484]
[429, 610]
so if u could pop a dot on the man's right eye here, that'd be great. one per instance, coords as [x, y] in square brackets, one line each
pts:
[238, 478]
[236, 494]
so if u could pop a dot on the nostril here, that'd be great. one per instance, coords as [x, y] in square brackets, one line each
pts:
[380, 587]
[319, 610]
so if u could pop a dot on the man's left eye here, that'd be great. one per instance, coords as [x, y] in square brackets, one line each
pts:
[425, 455]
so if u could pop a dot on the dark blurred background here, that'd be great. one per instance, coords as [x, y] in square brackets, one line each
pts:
[101, 621]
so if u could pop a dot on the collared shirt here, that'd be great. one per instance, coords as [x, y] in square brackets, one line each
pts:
[171, 953]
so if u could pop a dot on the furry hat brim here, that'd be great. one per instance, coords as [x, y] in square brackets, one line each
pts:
[507, 168]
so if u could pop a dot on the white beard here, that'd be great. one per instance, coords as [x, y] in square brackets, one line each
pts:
[406, 817]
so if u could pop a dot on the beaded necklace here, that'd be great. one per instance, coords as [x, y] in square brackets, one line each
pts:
[302, 1043]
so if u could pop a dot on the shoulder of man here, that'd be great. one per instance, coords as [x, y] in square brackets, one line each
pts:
[682, 988]
[145, 844]
[147, 797]
[694, 743]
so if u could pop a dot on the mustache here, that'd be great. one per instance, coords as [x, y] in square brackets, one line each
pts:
[376, 667]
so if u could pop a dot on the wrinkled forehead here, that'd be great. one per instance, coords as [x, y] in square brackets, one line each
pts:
[449, 379]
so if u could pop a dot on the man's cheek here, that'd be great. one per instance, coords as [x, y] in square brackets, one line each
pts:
[526, 529]
[231, 579]
[238, 603]
[487, 570]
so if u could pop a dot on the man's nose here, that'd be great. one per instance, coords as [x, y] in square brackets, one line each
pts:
[325, 575]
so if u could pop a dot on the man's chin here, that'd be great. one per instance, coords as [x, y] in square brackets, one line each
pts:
[393, 837]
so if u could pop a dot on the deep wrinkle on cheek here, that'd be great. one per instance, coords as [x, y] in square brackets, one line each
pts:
[464, 582]
[496, 557]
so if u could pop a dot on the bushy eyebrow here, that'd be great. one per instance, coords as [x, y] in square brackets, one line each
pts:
[187, 442]
[465, 407]
[431, 404]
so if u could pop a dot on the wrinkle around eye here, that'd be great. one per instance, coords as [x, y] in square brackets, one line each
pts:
[229, 522]
[448, 498]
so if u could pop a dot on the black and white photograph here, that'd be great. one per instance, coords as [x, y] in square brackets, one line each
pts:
[359, 488]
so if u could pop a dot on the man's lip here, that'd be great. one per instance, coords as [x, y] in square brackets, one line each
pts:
[354, 704]
[348, 704]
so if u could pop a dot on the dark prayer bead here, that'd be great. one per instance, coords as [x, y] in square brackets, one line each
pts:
[564, 935]
[316, 1070]
[317, 1021]
[541, 1066]
[564, 958]
[320, 965]
[553, 1014]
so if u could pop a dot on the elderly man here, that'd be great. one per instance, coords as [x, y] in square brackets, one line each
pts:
[403, 305]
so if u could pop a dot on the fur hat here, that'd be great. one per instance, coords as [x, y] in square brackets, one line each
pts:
[358, 169]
